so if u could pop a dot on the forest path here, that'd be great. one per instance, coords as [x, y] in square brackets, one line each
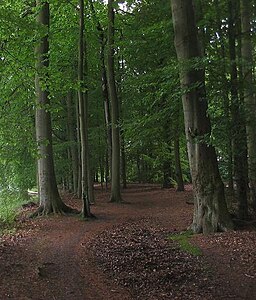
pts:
[50, 258]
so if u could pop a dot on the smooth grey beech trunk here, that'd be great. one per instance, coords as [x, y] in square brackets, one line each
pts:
[210, 209]
[79, 171]
[248, 93]
[105, 95]
[115, 169]
[83, 116]
[178, 169]
[72, 140]
[50, 201]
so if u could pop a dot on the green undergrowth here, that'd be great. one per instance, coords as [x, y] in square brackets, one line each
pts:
[183, 241]
[10, 202]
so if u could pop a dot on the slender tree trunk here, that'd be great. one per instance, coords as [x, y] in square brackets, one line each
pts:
[105, 94]
[91, 188]
[122, 131]
[69, 175]
[178, 170]
[123, 158]
[101, 172]
[50, 201]
[210, 209]
[248, 93]
[79, 171]
[106, 168]
[72, 140]
[167, 175]
[167, 163]
[138, 163]
[238, 122]
[115, 169]
[83, 115]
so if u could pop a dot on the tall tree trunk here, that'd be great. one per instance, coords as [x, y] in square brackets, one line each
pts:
[225, 96]
[138, 163]
[249, 95]
[210, 209]
[91, 187]
[167, 163]
[79, 170]
[167, 175]
[178, 170]
[105, 94]
[83, 115]
[50, 201]
[106, 168]
[238, 122]
[115, 169]
[72, 140]
[123, 158]
[122, 131]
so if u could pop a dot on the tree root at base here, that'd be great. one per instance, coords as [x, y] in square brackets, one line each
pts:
[44, 211]
[88, 217]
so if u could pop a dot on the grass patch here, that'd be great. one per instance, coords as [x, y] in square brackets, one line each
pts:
[183, 241]
[10, 202]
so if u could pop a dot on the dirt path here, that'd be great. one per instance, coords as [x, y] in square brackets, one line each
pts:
[51, 257]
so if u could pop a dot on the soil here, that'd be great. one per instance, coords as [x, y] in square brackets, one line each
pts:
[128, 252]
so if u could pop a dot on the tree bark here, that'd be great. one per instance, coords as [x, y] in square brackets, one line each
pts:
[225, 95]
[83, 116]
[238, 122]
[178, 170]
[115, 169]
[167, 163]
[79, 171]
[105, 94]
[123, 159]
[72, 140]
[210, 209]
[50, 201]
[122, 131]
[248, 93]
[167, 175]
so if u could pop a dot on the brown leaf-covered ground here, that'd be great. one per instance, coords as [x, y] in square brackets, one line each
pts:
[126, 253]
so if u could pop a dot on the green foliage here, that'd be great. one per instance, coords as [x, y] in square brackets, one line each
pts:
[10, 202]
[183, 240]
[147, 74]
[151, 98]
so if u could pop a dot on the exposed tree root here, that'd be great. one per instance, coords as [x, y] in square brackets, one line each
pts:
[44, 211]
[242, 223]
[88, 217]
[114, 200]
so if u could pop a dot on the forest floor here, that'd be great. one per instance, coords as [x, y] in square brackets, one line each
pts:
[131, 251]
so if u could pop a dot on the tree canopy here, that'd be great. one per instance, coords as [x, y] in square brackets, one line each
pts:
[150, 121]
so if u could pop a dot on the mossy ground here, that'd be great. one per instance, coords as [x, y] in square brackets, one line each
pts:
[183, 241]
